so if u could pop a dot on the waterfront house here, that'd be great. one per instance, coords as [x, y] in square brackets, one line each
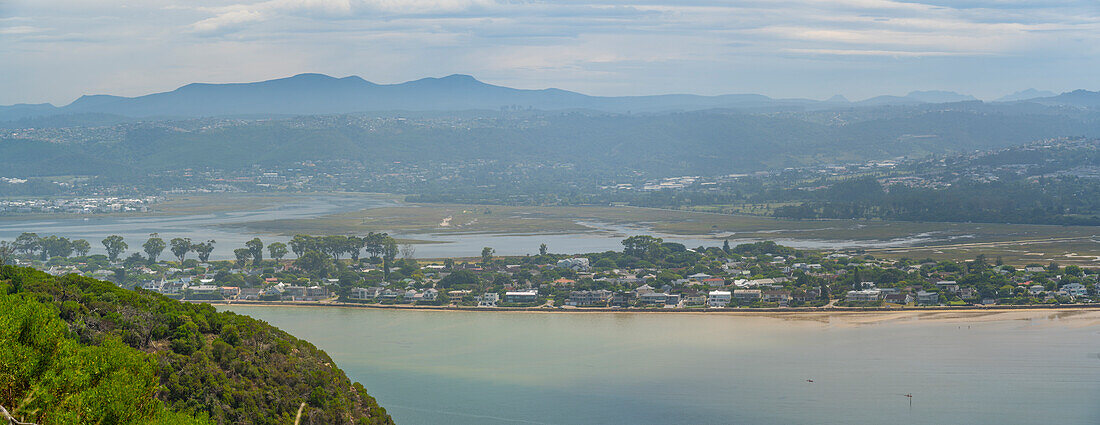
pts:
[864, 295]
[488, 299]
[365, 293]
[776, 296]
[1036, 289]
[746, 295]
[581, 298]
[230, 291]
[948, 286]
[524, 297]
[928, 298]
[1075, 290]
[899, 298]
[652, 298]
[719, 299]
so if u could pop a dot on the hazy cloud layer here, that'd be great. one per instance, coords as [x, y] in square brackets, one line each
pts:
[56, 50]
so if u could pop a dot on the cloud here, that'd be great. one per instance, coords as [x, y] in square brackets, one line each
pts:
[601, 46]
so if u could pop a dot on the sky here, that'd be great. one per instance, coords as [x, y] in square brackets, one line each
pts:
[56, 50]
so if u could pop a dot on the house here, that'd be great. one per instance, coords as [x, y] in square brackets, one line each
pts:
[748, 295]
[700, 277]
[622, 299]
[695, 298]
[864, 295]
[948, 286]
[230, 291]
[249, 294]
[928, 298]
[365, 293]
[1035, 269]
[719, 299]
[1075, 290]
[967, 293]
[578, 264]
[644, 289]
[430, 294]
[653, 298]
[899, 298]
[1036, 289]
[775, 296]
[807, 295]
[488, 299]
[714, 282]
[529, 296]
[598, 297]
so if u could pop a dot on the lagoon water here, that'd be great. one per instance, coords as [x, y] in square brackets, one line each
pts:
[438, 367]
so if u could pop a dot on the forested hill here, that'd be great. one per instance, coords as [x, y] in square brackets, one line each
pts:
[75, 350]
[696, 143]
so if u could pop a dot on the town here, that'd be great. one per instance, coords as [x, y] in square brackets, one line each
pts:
[647, 274]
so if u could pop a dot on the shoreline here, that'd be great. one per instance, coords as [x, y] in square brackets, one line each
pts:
[582, 310]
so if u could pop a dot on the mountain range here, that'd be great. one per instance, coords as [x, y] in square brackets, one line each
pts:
[318, 94]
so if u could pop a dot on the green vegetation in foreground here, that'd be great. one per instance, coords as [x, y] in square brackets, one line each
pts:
[79, 350]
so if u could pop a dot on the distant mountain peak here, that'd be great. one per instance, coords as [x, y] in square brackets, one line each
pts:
[939, 96]
[1027, 94]
[838, 98]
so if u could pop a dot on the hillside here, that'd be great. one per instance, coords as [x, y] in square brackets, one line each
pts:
[79, 350]
[704, 142]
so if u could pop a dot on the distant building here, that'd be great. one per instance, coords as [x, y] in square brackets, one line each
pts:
[719, 299]
[576, 264]
[928, 298]
[865, 295]
[519, 297]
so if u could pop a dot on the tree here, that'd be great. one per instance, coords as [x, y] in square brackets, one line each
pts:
[6, 252]
[355, 247]
[314, 262]
[408, 251]
[449, 263]
[203, 249]
[389, 253]
[53, 246]
[153, 247]
[114, 246]
[255, 250]
[277, 250]
[180, 247]
[542, 249]
[487, 255]
[82, 247]
[27, 243]
[299, 244]
[642, 246]
[242, 255]
[726, 246]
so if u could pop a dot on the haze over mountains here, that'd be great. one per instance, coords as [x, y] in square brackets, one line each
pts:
[316, 94]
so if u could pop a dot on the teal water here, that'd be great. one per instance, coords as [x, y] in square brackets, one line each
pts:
[430, 367]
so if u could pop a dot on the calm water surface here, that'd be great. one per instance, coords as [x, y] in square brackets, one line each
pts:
[542, 368]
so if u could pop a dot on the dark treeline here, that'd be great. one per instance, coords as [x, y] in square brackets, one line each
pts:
[1064, 201]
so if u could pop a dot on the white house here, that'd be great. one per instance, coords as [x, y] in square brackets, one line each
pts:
[488, 299]
[719, 299]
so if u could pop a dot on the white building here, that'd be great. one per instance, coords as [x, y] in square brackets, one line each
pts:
[719, 299]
